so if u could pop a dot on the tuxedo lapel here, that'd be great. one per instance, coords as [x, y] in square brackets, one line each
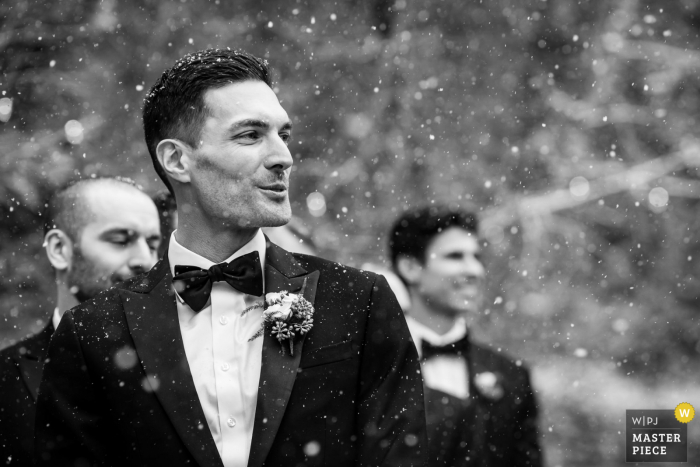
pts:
[31, 363]
[31, 373]
[278, 371]
[151, 313]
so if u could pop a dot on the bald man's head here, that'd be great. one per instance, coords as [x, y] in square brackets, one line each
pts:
[69, 208]
[100, 232]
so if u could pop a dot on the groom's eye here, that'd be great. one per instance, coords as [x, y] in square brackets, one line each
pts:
[250, 136]
[286, 137]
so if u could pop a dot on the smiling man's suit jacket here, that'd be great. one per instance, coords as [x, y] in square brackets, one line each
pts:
[20, 374]
[117, 388]
[495, 427]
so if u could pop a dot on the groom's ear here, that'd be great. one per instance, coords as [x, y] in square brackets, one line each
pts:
[175, 158]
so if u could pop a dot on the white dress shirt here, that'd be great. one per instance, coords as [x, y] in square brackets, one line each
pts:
[225, 366]
[446, 373]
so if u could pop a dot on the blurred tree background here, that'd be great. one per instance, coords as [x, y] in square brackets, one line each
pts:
[569, 124]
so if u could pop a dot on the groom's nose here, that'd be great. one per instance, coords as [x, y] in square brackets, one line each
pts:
[278, 158]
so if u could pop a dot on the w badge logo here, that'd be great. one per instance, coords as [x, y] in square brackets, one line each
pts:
[684, 412]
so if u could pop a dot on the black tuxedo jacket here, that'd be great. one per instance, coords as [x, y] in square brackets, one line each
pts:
[117, 388]
[496, 426]
[20, 374]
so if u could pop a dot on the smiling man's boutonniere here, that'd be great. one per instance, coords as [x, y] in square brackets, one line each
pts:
[488, 385]
[286, 315]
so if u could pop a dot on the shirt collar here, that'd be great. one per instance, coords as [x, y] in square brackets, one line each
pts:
[178, 254]
[56, 318]
[420, 332]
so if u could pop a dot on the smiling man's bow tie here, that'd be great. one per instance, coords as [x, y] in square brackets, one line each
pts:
[194, 284]
[459, 348]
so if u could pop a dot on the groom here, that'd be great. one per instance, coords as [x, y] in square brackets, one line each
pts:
[163, 371]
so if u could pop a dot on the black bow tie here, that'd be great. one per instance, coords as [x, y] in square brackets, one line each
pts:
[459, 348]
[194, 284]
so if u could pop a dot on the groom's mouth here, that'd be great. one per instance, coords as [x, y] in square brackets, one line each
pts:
[275, 190]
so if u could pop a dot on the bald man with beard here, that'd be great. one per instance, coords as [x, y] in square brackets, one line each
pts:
[98, 232]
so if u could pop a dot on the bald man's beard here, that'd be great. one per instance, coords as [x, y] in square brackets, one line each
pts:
[85, 281]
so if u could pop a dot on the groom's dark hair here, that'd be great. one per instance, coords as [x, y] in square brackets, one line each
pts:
[175, 107]
[415, 229]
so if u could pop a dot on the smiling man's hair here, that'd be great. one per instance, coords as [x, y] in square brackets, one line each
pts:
[415, 229]
[68, 209]
[175, 107]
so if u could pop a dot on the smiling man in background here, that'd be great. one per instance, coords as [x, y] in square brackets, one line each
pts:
[480, 407]
[98, 232]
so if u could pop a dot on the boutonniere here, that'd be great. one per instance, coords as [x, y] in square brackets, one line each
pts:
[286, 315]
[488, 385]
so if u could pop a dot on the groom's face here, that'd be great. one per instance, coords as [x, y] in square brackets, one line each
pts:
[240, 170]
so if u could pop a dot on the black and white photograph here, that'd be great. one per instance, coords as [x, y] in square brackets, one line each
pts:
[396, 233]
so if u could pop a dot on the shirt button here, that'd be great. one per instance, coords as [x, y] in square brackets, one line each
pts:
[223, 320]
[224, 366]
[231, 422]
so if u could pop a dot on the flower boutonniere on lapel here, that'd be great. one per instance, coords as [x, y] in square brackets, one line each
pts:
[286, 315]
[488, 385]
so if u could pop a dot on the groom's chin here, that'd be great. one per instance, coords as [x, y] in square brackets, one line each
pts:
[273, 215]
[279, 217]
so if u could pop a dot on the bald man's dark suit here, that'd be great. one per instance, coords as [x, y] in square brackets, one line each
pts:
[20, 375]
[117, 389]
